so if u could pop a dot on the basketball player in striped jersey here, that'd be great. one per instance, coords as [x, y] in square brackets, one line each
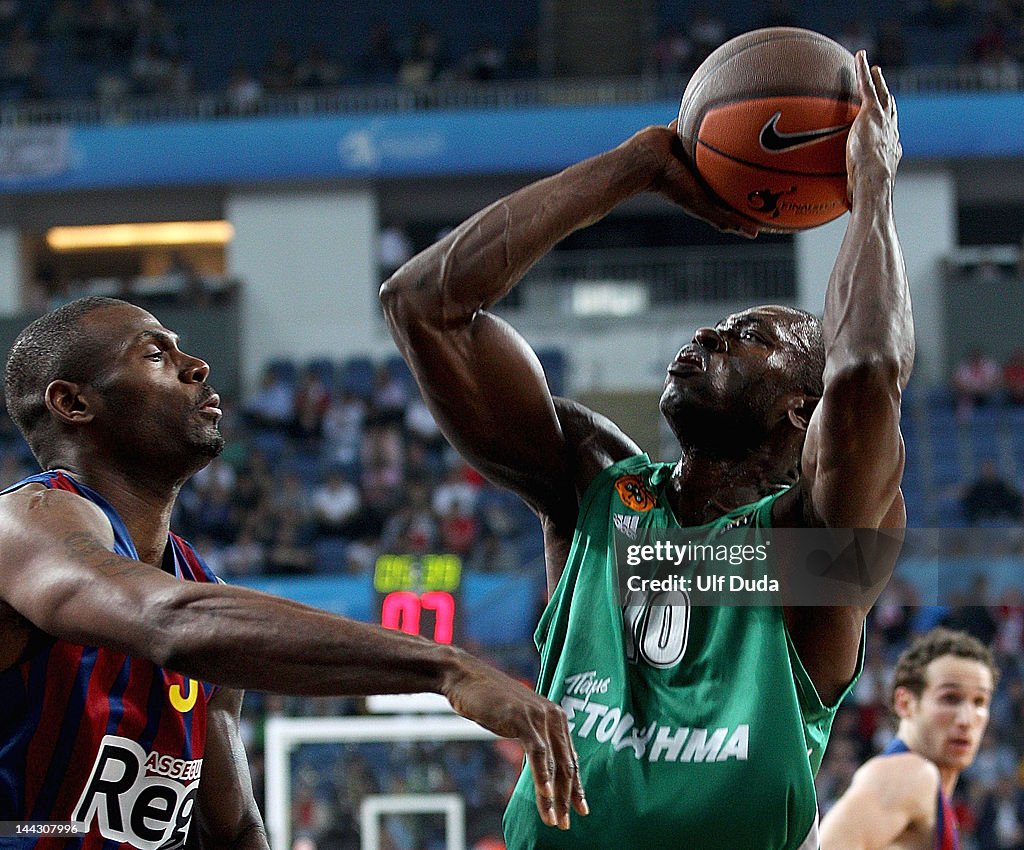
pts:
[900, 799]
[700, 726]
[122, 658]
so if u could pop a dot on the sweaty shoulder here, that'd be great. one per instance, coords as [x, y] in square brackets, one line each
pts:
[594, 441]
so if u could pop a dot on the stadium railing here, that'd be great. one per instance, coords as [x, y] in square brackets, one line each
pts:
[449, 95]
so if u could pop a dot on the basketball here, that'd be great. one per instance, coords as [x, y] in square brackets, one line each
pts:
[765, 120]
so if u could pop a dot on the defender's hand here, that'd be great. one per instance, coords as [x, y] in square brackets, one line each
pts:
[673, 176]
[873, 148]
[501, 704]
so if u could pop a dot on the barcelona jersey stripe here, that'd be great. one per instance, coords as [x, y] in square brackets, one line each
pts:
[88, 733]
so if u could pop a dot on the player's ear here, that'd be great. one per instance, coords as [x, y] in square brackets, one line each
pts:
[68, 402]
[799, 408]
[903, 701]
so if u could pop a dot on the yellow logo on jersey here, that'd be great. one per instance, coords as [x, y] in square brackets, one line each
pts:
[633, 493]
[184, 702]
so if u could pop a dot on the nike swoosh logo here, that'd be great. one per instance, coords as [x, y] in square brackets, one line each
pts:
[776, 142]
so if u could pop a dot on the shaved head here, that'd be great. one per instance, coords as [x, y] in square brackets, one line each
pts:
[54, 346]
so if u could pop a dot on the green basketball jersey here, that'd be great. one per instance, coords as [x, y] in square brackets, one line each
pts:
[712, 747]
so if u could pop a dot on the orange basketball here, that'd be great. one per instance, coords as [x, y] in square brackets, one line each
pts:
[765, 119]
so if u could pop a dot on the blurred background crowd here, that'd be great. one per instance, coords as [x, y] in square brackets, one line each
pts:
[111, 49]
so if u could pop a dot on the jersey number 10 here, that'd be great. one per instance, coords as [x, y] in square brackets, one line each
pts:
[657, 626]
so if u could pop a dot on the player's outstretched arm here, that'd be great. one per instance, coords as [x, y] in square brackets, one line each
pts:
[57, 571]
[227, 816]
[853, 456]
[887, 797]
[482, 382]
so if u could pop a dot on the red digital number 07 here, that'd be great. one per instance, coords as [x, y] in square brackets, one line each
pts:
[401, 611]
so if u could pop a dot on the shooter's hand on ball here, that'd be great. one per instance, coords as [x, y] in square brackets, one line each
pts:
[675, 179]
[512, 710]
[873, 149]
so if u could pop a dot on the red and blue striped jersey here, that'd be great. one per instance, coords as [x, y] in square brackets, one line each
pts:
[90, 736]
[947, 837]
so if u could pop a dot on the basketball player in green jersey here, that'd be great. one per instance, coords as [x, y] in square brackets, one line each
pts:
[701, 730]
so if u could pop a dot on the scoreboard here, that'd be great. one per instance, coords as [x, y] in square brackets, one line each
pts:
[419, 594]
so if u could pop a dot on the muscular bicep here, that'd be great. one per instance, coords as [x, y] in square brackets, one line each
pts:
[853, 456]
[487, 390]
[58, 571]
[226, 813]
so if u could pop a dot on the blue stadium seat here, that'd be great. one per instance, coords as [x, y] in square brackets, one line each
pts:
[284, 368]
[357, 376]
[323, 368]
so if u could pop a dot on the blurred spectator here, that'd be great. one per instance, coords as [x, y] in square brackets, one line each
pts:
[245, 555]
[381, 61]
[335, 502]
[673, 52]
[317, 70]
[995, 760]
[991, 50]
[217, 473]
[413, 529]
[456, 491]
[288, 553]
[990, 498]
[421, 61]
[1013, 377]
[420, 424]
[279, 71]
[394, 247]
[292, 501]
[243, 91]
[493, 553]
[111, 86]
[1001, 818]
[213, 515]
[705, 32]
[342, 428]
[390, 395]
[975, 381]
[485, 62]
[272, 405]
[1009, 639]
[459, 529]
[151, 72]
[311, 402]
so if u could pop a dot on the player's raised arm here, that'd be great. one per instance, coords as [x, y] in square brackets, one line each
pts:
[479, 377]
[58, 572]
[853, 456]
